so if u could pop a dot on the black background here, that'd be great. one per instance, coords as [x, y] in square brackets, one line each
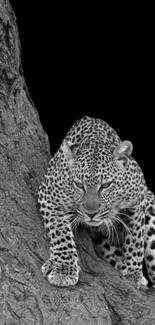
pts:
[92, 61]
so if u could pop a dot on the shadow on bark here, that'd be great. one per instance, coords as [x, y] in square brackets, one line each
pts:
[101, 296]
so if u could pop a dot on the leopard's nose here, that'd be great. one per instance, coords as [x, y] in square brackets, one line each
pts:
[91, 215]
[91, 208]
[91, 203]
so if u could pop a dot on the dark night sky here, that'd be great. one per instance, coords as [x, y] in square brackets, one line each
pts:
[77, 64]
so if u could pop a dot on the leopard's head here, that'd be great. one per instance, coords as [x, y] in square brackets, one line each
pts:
[104, 180]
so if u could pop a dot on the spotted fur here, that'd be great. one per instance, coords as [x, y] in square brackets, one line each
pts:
[93, 180]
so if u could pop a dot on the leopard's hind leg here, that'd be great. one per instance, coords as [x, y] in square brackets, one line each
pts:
[149, 246]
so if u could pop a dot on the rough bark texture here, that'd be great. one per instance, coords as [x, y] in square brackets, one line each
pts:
[101, 296]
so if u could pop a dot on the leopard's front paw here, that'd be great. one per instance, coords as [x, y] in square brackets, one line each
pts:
[63, 280]
[61, 275]
[140, 280]
[136, 277]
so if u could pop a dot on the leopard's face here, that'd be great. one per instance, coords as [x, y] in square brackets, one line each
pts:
[102, 185]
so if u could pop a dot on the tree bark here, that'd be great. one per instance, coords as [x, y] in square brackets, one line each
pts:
[102, 296]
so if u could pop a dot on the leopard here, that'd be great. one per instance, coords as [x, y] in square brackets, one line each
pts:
[93, 181]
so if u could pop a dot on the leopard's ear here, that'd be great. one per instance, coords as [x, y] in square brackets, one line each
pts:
[67, 153]
[122, 153]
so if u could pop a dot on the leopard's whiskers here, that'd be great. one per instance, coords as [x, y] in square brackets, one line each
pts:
[117, 218]
[116, 232]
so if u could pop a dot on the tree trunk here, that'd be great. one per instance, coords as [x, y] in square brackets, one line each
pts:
[102, 296]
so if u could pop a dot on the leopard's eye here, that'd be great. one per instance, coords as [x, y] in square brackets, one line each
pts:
[78, 184]
[105, 185]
